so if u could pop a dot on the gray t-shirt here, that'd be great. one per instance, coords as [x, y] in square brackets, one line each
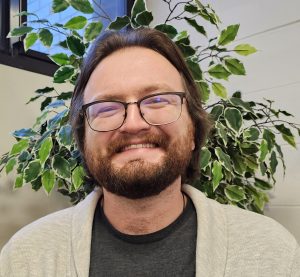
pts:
[167, 252]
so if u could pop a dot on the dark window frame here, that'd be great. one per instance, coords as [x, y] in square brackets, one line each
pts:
[12, 51]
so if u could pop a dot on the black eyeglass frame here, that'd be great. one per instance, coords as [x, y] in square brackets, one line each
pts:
[126, 104]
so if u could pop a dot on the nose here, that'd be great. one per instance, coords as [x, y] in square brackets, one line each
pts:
[134, 122]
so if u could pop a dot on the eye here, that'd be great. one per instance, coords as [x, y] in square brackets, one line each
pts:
[156, 100]
[105, 109]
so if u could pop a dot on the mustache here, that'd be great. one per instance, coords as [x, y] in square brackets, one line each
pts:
[116, 146]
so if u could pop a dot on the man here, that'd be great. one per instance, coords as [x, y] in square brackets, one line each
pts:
[138, 122]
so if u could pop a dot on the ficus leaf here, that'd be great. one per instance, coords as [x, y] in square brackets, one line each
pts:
[233, 119]
[235, 193]
[119, 23]
[45, 149]
[200, 29]
[60, 58]
[10, 165]
[59, 5]
[167, 29]
[76, 45]
[32, 171]
[144, 18]
[195, 69]
[18, 182]
[219, 90]
[76, 23]
[61, 166]
[63, 73]
[263, 150]
[235, 66]
[29, 40]
[19, 146]
[48, 180]
[77, 177]
[205, 157]
[244, 49]
[83, 6]
[217, 174]
[20, 31]
[138, 7]
[223, 158]
[219, 71]
[65, 135]
[45, 37]
[228, 35]
[92, 30]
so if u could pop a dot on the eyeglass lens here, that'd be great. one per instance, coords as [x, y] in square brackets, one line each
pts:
[156, 110]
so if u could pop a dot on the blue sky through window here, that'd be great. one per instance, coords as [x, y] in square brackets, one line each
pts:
[103, 8]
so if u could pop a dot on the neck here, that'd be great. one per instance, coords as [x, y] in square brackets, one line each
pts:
[146, 215]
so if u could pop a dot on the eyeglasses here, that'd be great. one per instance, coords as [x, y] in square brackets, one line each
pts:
[155, 109]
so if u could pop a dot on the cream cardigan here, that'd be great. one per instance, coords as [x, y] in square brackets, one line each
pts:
[231, 242]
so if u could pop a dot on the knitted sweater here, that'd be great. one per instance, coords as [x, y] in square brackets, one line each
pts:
[231, 242]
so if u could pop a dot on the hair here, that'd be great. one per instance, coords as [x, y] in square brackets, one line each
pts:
[113, 41]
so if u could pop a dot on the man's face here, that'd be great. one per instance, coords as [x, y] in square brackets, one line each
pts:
[160, 153]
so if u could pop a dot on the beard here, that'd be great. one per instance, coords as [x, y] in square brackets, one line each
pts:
[139, 178]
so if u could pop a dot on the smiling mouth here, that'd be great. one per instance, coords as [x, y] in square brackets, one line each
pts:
[137, 146]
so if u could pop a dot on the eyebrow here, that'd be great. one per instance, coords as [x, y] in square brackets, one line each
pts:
[151, 88]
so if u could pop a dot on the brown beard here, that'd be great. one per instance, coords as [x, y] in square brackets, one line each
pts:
[139, 178]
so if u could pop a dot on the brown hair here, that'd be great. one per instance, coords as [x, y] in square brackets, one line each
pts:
[159, 42]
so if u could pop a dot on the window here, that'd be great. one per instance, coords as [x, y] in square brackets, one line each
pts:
[35, 59]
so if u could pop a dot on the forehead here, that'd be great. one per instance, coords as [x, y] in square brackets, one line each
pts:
[130, 73]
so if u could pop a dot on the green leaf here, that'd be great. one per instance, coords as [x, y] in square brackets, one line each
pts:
[19, 146]
[119, 23]
[59, 5]
[229, 34]
[92, 30]
[48, 180]
[138, 7]
[45, 149]
[18, 181]
[83, 6]
[76, 23]
[190, 8]
[252, 134]
[239, 163]
[17, 32]
[200, 29]
[46, 37]
[217, 174]
[251, 162]
[29, 40]
[235, 193]
[233, 119]
[284, 130]
[219, 90]
[195, 69]
[222, 132]
[217, 111]
[186, 50]
[24, 133]
[167, 29]
[263, 150]
[78, 177]
[273, 162]
[290, 140]
[44, 90]
[204, 89]
[205, 157]
[244, 49]
[63, 73]
[219, 71]
[76, 45]
[223, 158]
[240, 103]
[65, 135]
[61, 166]
[270, 138]
[144, 18]
[32, 171]
[235, 66]
[10, 165]
[60, 58]
[261, 184]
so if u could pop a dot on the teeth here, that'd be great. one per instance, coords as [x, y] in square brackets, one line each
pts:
[133, 146]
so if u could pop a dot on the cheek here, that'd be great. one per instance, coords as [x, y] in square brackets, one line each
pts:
[96, 142]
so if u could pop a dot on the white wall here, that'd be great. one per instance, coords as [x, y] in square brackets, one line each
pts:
[18, 208]
[272, 26]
